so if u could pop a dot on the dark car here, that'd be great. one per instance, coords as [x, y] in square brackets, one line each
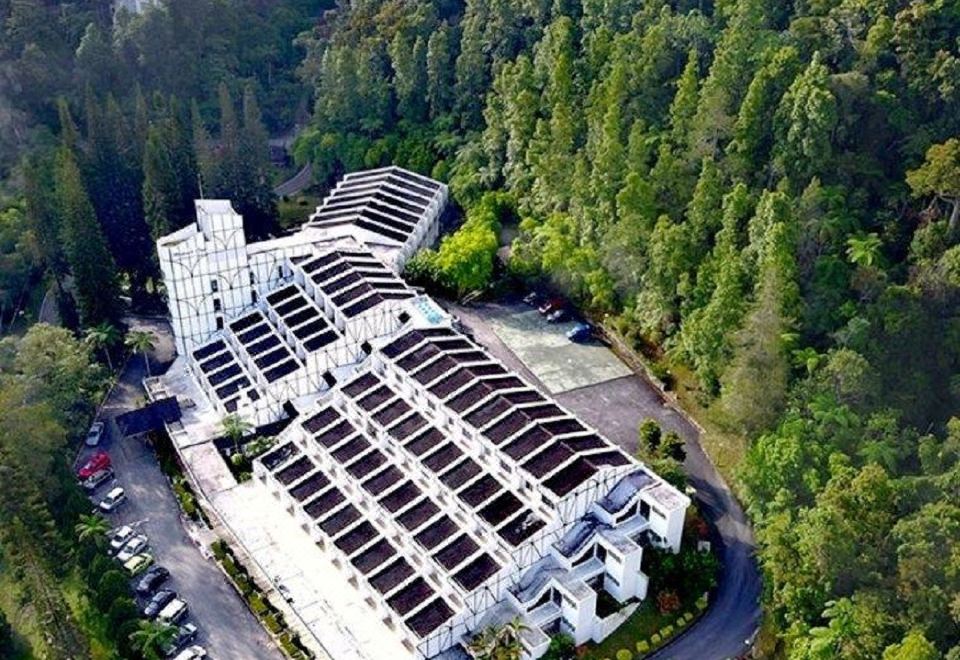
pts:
[156, 604]
[551, 306]
[153, 578]
[580, 333]
[185, 634]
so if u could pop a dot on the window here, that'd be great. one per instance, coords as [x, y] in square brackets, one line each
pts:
[253, 297]
[253, 277]
[219, 323]
[217, 306]
[214, 286]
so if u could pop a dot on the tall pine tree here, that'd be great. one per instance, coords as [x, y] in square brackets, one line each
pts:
[94, 272]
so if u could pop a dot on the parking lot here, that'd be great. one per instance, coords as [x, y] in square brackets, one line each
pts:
[586, 377]
[558, 363]
[226, 627]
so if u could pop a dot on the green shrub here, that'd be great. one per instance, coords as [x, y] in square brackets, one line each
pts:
[219, 549]
[688, 617]
[702, 603]
[655, 638]
[244, 585]
[271, 623]
[681, 622]
[190, 507]
[624, 654]
[257, 605]
[643, 646]
[666, 631]
[230, 566]
[288, 645]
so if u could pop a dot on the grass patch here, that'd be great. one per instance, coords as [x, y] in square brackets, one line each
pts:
[28, 634]
[725, 448]
[294, 210]
[93, 623]
[641, 625]
[26, 631]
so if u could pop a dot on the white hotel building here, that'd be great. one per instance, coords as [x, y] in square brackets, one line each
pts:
[449, 492]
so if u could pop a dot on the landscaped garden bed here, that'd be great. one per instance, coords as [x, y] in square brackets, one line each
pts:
[270, 617]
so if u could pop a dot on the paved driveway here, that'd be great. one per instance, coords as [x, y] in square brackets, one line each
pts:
[227, 629]
[616, 407]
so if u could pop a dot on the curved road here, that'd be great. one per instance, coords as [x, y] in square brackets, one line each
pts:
[296, 183]
[728, 628]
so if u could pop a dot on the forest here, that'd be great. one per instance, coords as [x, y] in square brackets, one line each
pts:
[763, 196]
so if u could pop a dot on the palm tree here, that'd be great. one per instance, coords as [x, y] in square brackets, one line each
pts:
[864, 250]
[140, 341]
[92, 526]
[483, 645]
[881, 452]
[235, 427]
[103, 337]
[152, 637]
[499, 642]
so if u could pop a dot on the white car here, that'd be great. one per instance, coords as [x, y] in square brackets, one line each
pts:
[134, 546]
[94, 434]
[113, 500]
[119, 537]
[174, 612]
[192, 653]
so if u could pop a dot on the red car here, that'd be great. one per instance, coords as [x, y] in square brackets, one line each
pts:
[97, 462]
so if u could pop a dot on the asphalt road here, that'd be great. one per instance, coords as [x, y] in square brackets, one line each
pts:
[616, 407]
[227, 629]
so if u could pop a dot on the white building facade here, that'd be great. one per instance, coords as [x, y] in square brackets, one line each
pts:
[448, 490]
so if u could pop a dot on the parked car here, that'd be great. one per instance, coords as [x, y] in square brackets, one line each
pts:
[134, 546]
[97, 479]
[119, 536]
[157, 602]
[138, 563]
[194, 652]
[557, 316]
[113, 500]
[94, 434]
[551, 306]
[99, 461]
[185, 634]
[532, 298]
[151, 579]
[173, 612]
[580, 332]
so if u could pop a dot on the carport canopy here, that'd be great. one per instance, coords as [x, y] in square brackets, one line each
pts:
[151, 417]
